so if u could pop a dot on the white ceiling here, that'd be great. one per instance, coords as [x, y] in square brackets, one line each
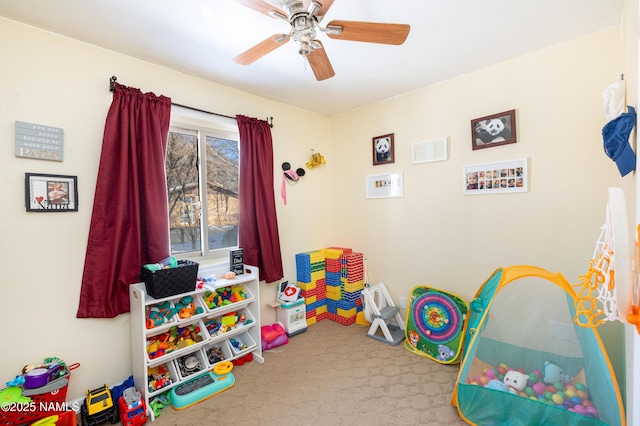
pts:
[201, 37]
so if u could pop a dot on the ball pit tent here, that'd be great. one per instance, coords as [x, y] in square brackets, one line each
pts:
[521, 318]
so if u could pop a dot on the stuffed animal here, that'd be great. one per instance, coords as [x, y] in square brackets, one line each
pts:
[551, 374]
[514, 382]
[492, 130]
[497, 385]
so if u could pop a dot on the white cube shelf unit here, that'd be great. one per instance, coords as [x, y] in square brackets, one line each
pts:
[236, 342]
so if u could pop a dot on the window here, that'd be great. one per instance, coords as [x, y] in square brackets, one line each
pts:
[202, 167]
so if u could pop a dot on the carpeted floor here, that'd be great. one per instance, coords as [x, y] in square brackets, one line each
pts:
[331, 375]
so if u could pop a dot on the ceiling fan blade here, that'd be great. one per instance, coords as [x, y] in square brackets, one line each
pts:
[320, 64]
[261, 6]
[370, 32]
[259, 50]
[326, 4]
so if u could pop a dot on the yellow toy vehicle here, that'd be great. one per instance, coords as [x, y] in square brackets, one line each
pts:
[98, 407]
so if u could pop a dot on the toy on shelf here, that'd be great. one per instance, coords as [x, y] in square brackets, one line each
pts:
[159, 314]
[225, 323]
[158, 378]
[214, 354]
[186, 308]
[224, 296]
[133, 411]
[173, 339]
[169, 262]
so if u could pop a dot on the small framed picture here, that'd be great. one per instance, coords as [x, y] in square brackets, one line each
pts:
[496, 178]
[388, 185]
[383, 150]
[494, 130]
[51, 193]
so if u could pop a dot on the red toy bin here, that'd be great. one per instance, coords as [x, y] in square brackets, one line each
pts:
[45, 401]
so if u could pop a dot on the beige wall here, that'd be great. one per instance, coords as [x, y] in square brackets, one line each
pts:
[52, 80]
[433, 235]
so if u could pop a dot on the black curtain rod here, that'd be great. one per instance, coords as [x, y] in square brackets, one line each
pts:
[112, 86]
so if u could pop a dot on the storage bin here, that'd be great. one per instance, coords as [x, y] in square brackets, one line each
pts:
[217, 352]
[161, 376]
[177, 338]
[224, 299]
[160, 314]
[242, 344]
[171, 281]
[190, 364]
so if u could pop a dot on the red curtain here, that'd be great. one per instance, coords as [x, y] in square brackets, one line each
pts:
[130, 220]
[258, 224]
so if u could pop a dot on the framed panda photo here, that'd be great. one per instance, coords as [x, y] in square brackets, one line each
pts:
[383, 150]
[494, 130]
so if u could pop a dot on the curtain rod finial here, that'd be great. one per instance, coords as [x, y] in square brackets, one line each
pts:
[270, 121]
[112, 83]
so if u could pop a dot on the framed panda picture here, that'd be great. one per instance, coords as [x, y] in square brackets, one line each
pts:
[494, 130]
[383, 150]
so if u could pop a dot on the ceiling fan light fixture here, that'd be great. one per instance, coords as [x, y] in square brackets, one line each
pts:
[314, 8]
[332, 30]
[278, 15]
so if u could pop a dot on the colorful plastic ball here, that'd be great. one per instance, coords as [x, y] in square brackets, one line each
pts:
[570, 392]
[534, 398]
[592, 410]
[548, 395]
[533, 378]
[490, 373]
[539, 388]
[522, 394]
[579, 409]
[559, 386]
[476, 379]
[529, 391]
[576, 400]
[468, 381]
[522, 370]
[557, 399]
[501, 369]
[484, 380]
[580, 386]
[570, 387]
[552, 389]
[536, 373]
[568, 403]
[582, 394]
[586, 403]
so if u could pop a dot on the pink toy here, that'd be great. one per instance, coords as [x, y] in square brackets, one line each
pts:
[273, 336]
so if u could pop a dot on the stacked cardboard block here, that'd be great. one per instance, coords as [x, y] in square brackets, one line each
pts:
[352, 283]
[334, 294]
[310, 277]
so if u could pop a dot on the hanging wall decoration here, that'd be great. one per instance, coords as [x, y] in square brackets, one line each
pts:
[496, 178]
[494, 130]
[51, 193]
[383, 150]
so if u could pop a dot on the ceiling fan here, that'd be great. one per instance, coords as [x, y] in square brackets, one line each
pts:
[305, 16]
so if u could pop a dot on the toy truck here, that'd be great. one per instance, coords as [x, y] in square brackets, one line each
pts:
[133, 411]
[98, 407]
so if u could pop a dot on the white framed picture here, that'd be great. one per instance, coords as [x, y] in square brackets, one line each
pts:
[496, 178]
[429, 151]
[388, 185]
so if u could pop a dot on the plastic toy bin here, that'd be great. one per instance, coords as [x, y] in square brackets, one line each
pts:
[162, 344]
[161, 376]
[191, 364]
[217, 352]
[242, 344]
